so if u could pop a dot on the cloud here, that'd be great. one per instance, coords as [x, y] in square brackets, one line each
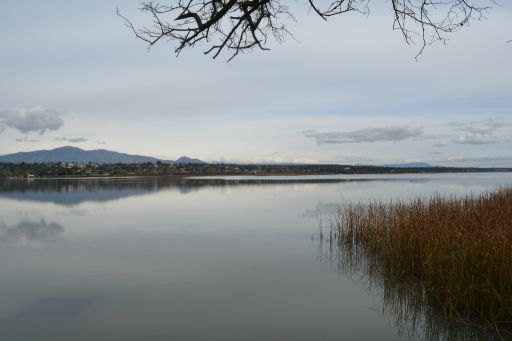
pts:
[398, 133]
[494, 160]
[480, 131]
[483, 127]
[440, 144]
[100, 142]
[77, 139]
[356, 159]
[36, 119]
[477, 138]
[72, 139]
[26, 139]
[263, 160]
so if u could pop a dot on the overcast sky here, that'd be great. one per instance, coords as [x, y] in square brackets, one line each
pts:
[345, 91]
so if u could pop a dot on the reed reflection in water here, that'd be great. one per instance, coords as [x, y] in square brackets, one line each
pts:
[369, 242]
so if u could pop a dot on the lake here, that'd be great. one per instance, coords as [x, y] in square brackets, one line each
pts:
[232, 258]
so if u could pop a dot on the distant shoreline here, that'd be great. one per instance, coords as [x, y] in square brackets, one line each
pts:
[83, 171]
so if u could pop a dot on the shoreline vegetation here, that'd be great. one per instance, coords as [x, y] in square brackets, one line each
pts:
[432, 257]
[62, 169]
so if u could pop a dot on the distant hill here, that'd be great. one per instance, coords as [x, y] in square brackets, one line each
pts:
[74, 154]
[409, 165]
[187, 160]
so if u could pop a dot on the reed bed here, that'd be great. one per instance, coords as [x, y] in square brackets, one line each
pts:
[456, 251]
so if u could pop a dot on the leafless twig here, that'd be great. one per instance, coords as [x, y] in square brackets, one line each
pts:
[240, 25]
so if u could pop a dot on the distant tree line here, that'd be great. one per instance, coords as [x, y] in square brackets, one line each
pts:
[61, 169]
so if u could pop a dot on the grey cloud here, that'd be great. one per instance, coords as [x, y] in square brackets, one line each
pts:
[36, 119]
[440, 144]
[26, 139]
[100, 142]
[482, 127]
[480, 131]
[477, 138]
[72, 139]
[398, 133]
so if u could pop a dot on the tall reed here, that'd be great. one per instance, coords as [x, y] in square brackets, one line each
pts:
[457, 251]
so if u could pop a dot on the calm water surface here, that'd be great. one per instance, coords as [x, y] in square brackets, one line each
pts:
[194, 259]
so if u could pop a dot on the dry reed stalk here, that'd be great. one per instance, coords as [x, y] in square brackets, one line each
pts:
[459, 249]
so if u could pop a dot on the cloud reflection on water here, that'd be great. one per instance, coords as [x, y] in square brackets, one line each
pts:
[322, 209]
[30, 233]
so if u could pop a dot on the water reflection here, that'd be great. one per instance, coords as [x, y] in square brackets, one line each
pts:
[57, 307]
[402, 304]
[75, 191]
[230, 261]
[322, 209]
[30, 233]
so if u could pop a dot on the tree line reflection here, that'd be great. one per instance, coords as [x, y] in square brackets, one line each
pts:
[76, 191]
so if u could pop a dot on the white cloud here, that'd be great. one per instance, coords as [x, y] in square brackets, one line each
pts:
[36, 119]
[264, 160]
[349, 159]
[398, 133]
[477, 138]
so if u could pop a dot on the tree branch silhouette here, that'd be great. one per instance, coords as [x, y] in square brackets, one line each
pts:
[240, 25]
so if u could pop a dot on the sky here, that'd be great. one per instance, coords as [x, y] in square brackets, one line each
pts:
[348, 90]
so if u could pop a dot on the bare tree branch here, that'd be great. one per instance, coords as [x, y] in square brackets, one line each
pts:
[432, 20]
[241, 25]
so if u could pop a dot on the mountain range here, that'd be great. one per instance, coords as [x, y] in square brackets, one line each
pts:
[74, 154]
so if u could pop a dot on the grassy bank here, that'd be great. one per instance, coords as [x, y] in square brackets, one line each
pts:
[457, 252]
